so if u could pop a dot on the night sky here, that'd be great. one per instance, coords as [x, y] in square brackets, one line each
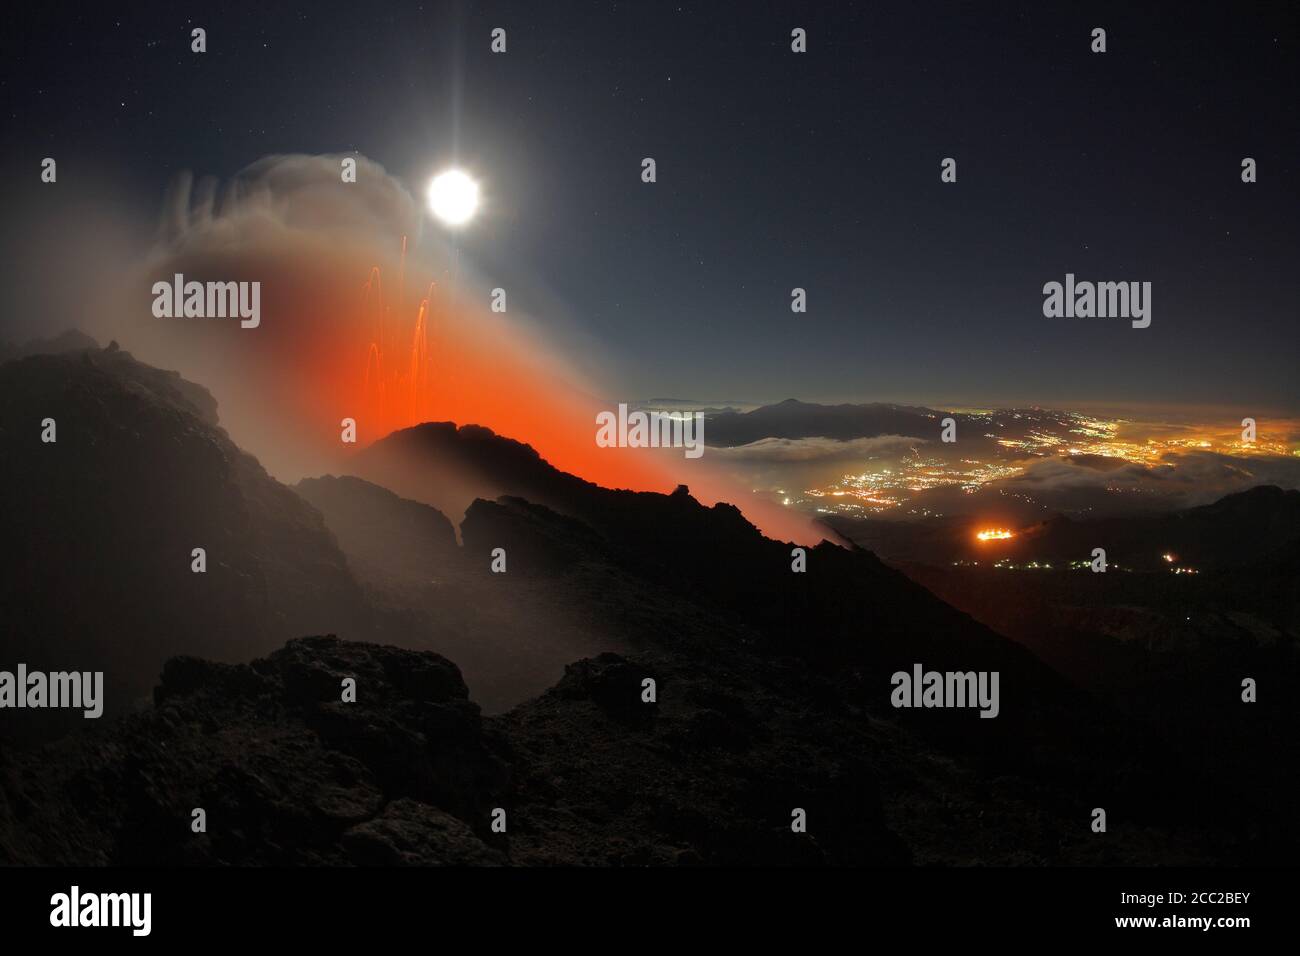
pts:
[775, 170]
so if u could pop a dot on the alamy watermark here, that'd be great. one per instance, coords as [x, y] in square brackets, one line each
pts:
[208, 300]
[1086, 300]
[640, 429]
[75, 908]
[56, 690]
[923, 688]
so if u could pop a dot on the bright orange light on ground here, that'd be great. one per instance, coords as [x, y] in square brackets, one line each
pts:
[994, 534]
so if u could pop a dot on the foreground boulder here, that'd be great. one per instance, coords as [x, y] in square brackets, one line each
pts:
[284, 770]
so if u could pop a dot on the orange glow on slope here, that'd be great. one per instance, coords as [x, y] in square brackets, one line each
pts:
[995, 534]
[453, 362]
[340, 340]
[441, 360]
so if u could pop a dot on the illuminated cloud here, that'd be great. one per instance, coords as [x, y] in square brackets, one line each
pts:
[286, 194]
[1191, 477]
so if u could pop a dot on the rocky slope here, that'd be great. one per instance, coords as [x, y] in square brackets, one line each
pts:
[388, 540]
[771, 688]
[99, 527]
[285, 772]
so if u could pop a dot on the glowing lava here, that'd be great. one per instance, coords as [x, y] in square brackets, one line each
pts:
[437, 358]
[994, 534]
[396, 388]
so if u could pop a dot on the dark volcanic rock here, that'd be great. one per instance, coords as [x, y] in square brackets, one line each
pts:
[69, 340]
[616, 685]
[408, 833]
[386, 538]
[286, 772]
[603, 778]
[535, 538]
[99, 528]
[773, 688]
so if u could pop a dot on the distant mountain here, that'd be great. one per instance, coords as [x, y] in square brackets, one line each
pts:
[1237, 529]
[795, 419]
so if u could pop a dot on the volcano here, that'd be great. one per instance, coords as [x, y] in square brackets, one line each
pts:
[771, 685]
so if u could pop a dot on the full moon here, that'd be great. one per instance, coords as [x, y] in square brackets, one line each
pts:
[453, 197]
